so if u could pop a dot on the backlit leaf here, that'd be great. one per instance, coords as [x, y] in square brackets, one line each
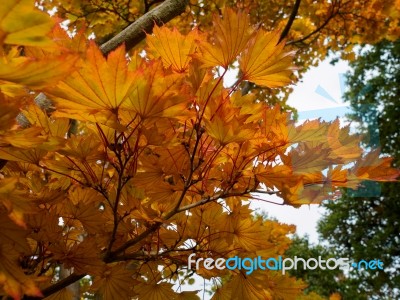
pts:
[97, 89]
[174, 48]
[21, 23]
[232, 32]
[265, 62]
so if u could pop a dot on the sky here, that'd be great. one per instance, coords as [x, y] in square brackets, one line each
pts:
[318, 95]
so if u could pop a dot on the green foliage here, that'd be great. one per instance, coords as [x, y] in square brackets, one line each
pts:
[322, 282]
[368, 228]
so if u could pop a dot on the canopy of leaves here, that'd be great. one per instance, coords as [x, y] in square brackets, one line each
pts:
[159, 161]
[325, 284]
[368, 228]
[316, 27]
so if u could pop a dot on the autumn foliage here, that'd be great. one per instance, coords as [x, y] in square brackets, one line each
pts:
[119, 167]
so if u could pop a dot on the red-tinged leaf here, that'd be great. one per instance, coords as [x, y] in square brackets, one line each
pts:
[373, 167]
[265, 62]
[345, 147]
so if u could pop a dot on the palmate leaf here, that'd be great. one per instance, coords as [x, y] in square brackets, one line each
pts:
[33, 72]
[285, 287]
[265, 62]
[115, 282]
[12, 234]
[56, 128]
[232, 33]
[17, 202]
[189, 295]
[23, 155]
[89, 215]
[97, 89]
[275, 176]
[156, 93]
[84, 257]
[249, 235]
[373, 167]
[12, 278]
[244, 287]
[174, 48]
[344, 146]
[21, 23]
[155, 291]
[24, 139]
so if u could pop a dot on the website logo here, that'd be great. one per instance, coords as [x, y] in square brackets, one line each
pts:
[280, 264]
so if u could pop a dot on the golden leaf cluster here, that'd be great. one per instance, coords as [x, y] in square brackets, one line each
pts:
[140, 161]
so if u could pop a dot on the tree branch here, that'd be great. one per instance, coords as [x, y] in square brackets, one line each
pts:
[136, 32]
[332, 14]
[57, 286]
[290, 21]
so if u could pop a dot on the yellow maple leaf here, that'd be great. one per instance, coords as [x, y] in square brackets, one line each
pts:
[156, 93]
[23, 155]
[21, 23]
[232, 33]
[285, 287]
[17, 202]
[155, 291]
[83, 257]
[115, 282]
[174, 48]
[265, 62]
[275, 176]
[97, 89]
[247, 287]
[249, 235]
[36, 73]
[344, 146]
